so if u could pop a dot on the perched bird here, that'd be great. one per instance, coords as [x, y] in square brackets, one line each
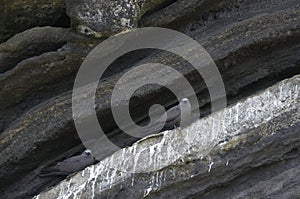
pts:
[70, 165]
[173, 117]
[174, 114]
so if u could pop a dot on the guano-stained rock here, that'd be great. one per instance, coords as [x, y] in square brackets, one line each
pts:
[254, 44]
[195, 156]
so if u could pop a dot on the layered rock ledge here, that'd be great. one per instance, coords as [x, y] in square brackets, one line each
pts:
[220, 155]
[254, 44]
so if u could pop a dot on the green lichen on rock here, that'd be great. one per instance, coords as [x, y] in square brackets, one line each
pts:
[102, 18]
[105, 18]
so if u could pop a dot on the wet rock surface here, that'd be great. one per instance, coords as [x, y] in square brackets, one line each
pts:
[254, 44]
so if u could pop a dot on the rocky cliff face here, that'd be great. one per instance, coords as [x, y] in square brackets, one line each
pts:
[255, 45]
[191, 163]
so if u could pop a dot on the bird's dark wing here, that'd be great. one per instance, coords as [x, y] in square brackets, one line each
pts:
[52, 171]
[76, 163]
[172, 117]
[173, 113]
[68, 166]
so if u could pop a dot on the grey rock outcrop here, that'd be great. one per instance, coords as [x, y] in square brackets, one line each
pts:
[255, 44]
[104, 18]
[194, 158]
[17, 16]
[30, 43]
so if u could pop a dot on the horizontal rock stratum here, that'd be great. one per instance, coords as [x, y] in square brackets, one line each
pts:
[255, 44]
[211, 157]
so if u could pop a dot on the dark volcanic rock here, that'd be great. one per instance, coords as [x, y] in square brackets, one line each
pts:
[19, 15]
[41, 64]
[105, 18]
[30, 43]
[181, 164]
[102, 18]
[254, 44]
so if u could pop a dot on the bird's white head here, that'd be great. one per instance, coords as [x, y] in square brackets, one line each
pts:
[185, 100]
[185, 106]
[87, 152]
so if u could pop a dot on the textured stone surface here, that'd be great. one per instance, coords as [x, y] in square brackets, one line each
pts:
[19, 15]
[105, 18]
[254, 44]
[185, 158]
[37, 62]
[30, 43]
